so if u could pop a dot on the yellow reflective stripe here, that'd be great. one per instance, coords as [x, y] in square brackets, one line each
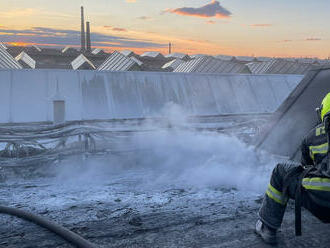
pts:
[316, 183]
[275, 190]
[317, 180]
[320, 149]
[276, 195]
[319, 131]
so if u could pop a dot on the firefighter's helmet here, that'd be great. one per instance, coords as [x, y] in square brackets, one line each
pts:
[324, 108]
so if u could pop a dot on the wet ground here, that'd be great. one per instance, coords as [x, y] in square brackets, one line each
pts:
[196, 193]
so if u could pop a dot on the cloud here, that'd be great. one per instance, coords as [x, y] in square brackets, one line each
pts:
[307, 39]
[261, 25]
[19, 13]
[131, 1]
[313, 39]
[60, 37]
[213, 9]
[116, 29]
[211, 22]
[144, 18]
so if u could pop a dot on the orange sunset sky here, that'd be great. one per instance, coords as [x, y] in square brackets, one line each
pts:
[295, 28]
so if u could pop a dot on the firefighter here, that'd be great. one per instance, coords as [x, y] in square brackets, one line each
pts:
[308, 183]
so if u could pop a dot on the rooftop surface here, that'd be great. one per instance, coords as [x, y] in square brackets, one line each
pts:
[180, 187]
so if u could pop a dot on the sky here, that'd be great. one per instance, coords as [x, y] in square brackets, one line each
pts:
[281, 28]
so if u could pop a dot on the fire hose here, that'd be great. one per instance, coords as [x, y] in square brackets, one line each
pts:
[61, 231]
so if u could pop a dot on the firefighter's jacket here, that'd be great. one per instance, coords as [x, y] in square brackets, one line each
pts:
[314, 150]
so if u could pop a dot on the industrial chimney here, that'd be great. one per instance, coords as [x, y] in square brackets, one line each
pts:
[169, 48]
[83, 45]
[88, 37]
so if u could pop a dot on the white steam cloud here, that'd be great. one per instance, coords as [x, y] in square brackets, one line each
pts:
[179, 156]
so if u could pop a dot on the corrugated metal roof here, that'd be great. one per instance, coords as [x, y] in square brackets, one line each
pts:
[7, 61]
[37, 48]
[263, 59]
[80, 62]
[3, 46]
[152, 54]
[97, 51]
[118, 62]
[127, 53]
[70, 50]
[178, 56]
[308, 60]
[290, 59]
[65, 49]
[324, 61]
[26, 59]
[224, 57]
[212, 65]
[245, 58]
[197, 56]
[279, 66]
[136, 61]
[173, 64]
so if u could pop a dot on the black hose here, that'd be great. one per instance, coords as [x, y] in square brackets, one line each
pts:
[66, 234]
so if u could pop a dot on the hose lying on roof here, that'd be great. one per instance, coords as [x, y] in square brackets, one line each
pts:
[66, 234]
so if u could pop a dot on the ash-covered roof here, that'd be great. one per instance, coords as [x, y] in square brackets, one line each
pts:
[212, 65]
[7, 61]
[118, 62]
[26, 60]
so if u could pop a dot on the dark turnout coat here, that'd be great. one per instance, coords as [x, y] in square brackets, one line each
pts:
[314, 150]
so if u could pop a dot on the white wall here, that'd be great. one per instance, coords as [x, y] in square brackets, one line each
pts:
[26, 95]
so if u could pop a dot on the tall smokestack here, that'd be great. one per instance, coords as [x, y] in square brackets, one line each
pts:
[83, 45]
[88, 37]
[169, 48]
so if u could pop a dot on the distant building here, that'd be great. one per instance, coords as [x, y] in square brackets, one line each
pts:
[181, 56]
[154, 55]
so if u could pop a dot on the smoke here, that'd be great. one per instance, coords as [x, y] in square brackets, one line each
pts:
[177, 156]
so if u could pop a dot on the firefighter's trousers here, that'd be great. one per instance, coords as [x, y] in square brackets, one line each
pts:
[273, 207]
